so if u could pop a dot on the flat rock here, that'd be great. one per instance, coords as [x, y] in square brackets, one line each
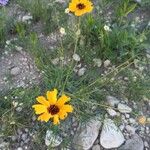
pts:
[51, 139]
[111, 136]
[135, 143]
[124, 108]
[86, 136]
[111, 112]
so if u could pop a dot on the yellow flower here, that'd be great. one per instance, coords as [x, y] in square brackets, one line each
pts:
[51, 108]
[80, 7]
[142, 120]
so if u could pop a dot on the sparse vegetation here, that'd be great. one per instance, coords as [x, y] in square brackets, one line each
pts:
[119, 44]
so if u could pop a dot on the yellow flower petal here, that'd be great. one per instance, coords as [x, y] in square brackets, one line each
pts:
[62, 100]
[67, 108]
[79, 13]
[62, 115]
[52, 96]
[39, 109]
[56, 120]
[42, 100]
[44, 117]
[72, 7]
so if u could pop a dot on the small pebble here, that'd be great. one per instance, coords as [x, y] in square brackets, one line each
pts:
[76, 57]
[81, 71]
[106, 63]
[15, 71]
[19, 148]
[19, 109]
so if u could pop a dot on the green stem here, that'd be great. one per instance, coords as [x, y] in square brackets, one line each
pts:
[114, 71]
[75, 49]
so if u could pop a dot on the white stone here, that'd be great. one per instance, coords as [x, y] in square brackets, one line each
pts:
[8, 42]
[111, 112]
[97, 62]
[15, 71]
[130, 129]
[107, 28]
[111, 136]
[96, 147]
[19, 148]
[4, 145]
[135, 143]
[51, 139]
[19, 109]
[132, 121]
[18, 48]
[76, 57]
[26, 18]
[127, 116]
[124, 108]
[81, 71]
[106, 63]
[86, 136]
[112, 101]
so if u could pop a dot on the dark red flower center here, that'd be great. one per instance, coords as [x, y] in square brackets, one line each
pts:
[80, 6]
[53, 109]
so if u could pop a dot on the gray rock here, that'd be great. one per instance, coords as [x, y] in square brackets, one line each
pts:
[24, 137]
[130, 129]
[13, 138]
[107, 63]
[97, 62]
[19, 109]
[111, 136]
[81, 71]
[26, 18]
[124, 108]
[135, 143]
[111, 112]
[4, 146]
[76, 57]
[96, 147]
[51, 139]
[127, 116]
[132, 120]
[86, 136]
[112, 101]
[15, 71]
[19, 148]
